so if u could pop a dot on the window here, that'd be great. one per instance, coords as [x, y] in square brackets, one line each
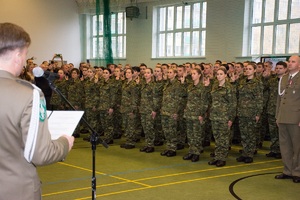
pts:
[179, 30]
[118, 36]
[274, 27]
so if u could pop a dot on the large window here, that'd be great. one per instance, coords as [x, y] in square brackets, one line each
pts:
[274, 27]
[179, 30]
[118, 36]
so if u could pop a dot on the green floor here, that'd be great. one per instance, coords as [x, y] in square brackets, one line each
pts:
[130, 174]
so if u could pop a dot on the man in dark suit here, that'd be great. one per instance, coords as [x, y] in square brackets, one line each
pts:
[288, 120]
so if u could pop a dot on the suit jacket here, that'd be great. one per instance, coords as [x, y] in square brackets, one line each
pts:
[288, 103]
[18, 177]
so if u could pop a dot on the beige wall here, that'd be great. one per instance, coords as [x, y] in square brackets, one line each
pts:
[225, 20]
[52, 24]
[54, 28]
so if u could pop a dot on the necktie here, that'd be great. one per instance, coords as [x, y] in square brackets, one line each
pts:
[290, 80]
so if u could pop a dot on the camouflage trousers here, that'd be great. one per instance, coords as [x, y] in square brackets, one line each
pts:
[148, 127]
[91, 117]
[106, 124]
[159, 136]
[248, 129]
[117, 122]
[207, 130]
[262, 128]
[169, 125]
[274, 134]
[129, 126]
[181, 129]
[222, 136]
[195, 136]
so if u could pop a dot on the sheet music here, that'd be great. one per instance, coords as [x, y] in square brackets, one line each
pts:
[63, 122]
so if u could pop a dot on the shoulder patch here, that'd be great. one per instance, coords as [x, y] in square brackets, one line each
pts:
[42, 112]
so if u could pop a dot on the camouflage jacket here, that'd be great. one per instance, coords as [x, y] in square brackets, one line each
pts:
[171, 98]
[130, 97]
[56, 100]
[250, 98]
[273, 94]
[147, 104]
[107, 95]
[91, 93]
[223, 105]
[75, 92]
[158, 90]
[197, 101]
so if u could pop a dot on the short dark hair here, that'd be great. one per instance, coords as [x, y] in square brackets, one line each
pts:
[282, 63]
[12, 37]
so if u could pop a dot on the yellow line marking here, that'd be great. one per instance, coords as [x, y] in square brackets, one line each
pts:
[156, 177]
[180, 182]
[96, 172]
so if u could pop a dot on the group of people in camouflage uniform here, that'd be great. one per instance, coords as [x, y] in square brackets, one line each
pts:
[178, 104]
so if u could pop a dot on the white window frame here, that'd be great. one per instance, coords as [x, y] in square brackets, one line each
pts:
[182, 47]
[118, 36]
[275, 24]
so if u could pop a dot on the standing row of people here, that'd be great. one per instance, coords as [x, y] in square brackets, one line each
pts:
[175, 104]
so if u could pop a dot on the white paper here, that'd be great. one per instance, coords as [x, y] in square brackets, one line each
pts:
[63, 122]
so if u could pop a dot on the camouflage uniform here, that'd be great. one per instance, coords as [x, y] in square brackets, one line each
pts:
[106, 101]
[197, 104]
[75, 93]
[56, 101]
[207, 123]
[222, 110]
[250, 105]
[76, 96]
[129, 109]
[271, 111]
[147, 105]
[170, 105]
[91, 100]
[263, 127]
[158, 90]
[117, 116]
[182, 126]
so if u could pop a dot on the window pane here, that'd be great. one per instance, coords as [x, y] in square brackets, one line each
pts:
[95, 49]
[114, 46]
[283, 9]
[269, 10]
[268, 40]
[204, 15]
[203, 39]
[178, 46]
[95, 25]
[170, 18]
[162, 45]
[120, 23]
[179, 17]
[186, 43]
[187, 18]
[294, 38]
[280, 39]
[195, 43]
[196, 15]
[120, 46]
[113, 24]
[295, 9]
[257, 11]
[162, 21]
[255, 40]
[124, 47]
[170, 44]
